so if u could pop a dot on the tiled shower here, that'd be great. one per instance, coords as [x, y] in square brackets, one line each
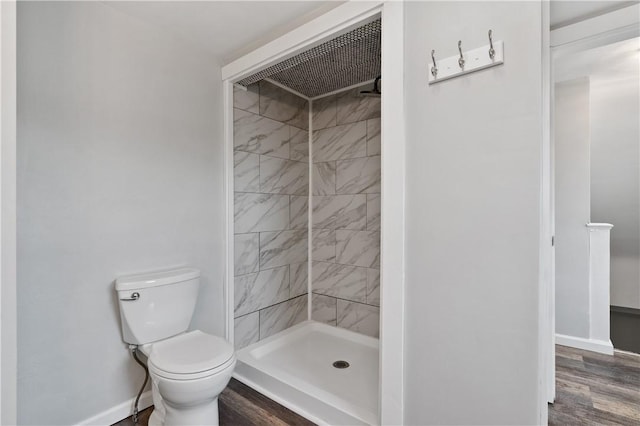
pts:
[271, 209]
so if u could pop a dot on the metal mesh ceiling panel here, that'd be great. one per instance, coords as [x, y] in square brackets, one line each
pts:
[349, 59]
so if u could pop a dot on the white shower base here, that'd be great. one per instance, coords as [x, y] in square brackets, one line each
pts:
[295, 368]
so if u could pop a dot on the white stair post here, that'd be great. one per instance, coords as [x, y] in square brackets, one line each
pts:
[599, 284]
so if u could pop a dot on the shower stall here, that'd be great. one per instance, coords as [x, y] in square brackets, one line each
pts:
[306, 228]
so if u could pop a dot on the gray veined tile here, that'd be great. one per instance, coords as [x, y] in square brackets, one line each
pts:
[278, 176]
[281, 105]
[323, 112]
[299, 144]
[246, 172]
[246, 248]
[358, 175]
[324, 178]
[335, 143]
[324, 245]
[282, 316]
[282, 248]
[360, 318]
[373, 212]
[246, 330]
[358, 248]
[373, 137]
[259, 135]
[373, 287]
[343, 281]
[246, 99]
[260, 212]
[299, 212]
[340, 211]
[256, 291]
[352, 107]
[298, 278]
[323, 309]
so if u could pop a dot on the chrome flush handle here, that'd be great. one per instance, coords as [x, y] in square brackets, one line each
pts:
[134, 296]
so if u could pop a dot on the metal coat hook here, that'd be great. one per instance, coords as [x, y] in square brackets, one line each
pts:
[492, 51]
[434, 68]
[461, 60]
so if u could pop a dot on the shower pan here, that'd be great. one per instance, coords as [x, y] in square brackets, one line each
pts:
[327, 374]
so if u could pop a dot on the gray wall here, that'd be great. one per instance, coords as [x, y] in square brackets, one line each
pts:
[346, 211]
[572, 194]
[119, 171]
[473, 214]
[615, 176]
[271, 199]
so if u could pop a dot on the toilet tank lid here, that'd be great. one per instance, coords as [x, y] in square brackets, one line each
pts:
[154, 279]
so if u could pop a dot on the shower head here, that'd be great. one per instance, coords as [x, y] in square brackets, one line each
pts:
[375, 91]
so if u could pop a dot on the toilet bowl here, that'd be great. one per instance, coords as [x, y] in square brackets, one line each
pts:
[188, 370]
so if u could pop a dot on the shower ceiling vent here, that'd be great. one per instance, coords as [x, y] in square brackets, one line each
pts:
[346, 60]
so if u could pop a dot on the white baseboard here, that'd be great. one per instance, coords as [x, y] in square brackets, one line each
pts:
[120, 411]
[600, 346]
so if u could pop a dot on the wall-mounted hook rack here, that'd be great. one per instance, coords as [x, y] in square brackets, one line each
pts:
[467, 62]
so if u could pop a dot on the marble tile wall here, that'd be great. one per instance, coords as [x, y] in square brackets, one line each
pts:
[271, 203]
[346, 211]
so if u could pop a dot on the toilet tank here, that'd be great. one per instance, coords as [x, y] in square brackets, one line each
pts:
[157, 305]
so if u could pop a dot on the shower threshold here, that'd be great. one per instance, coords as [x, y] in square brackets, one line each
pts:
[296, 369]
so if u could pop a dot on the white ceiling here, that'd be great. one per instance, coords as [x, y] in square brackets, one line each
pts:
[227, 29]
[566, 12]
[614, 61]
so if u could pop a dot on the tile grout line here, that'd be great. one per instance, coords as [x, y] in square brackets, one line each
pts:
[310, 216]
[259, 236]
[348, 300]
[271, 306]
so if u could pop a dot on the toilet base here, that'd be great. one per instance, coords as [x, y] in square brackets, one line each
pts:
[165, 414]
[205, 414]
[155, 419]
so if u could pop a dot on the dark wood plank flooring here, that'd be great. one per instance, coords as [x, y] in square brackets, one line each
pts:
[596, 389]
[591, 389]
[239, 405]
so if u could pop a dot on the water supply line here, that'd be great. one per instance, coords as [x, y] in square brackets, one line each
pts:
[134, 352]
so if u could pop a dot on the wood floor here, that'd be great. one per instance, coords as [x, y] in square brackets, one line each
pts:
[239, 405]
[591, 389]
[595, 389]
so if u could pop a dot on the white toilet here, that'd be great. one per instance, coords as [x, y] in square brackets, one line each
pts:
[188, 369]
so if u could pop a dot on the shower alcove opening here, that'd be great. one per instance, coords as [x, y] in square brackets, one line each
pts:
[305, 223]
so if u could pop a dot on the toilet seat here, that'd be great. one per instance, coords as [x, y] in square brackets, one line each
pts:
[191, 376]
[190, 356]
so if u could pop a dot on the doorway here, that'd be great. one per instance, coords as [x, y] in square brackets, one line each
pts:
[580, 306]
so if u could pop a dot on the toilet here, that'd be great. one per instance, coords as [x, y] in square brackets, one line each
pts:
[188, 369]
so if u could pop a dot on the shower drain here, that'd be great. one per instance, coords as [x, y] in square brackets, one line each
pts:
[341, 364]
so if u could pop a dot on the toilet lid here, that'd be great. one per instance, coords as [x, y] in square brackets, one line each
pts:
[190, 353]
